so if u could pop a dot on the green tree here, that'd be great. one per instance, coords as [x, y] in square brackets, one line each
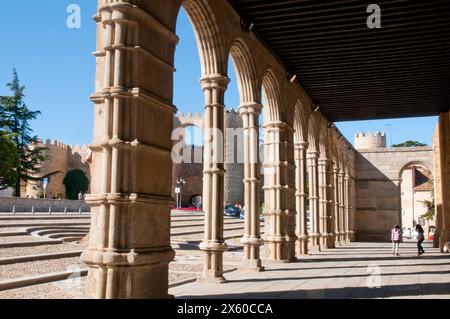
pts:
[9, 160]
[75, 182]
[430, 206]
[410, 144]
[16, 117]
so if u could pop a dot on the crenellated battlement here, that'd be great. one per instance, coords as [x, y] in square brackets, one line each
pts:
[370, 140]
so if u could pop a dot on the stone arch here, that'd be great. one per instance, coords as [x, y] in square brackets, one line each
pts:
[300, 123]
[212, 52]
[428, 166]
[185, 120]
[313, 133]
[244, 64]
[323, 142]
[273, 101]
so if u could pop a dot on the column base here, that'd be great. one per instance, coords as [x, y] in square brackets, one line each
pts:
[315, 242]
[280, 250]
[331, 241]
[301, 246]
[436, 238]
[337, 241]
[347, 237]
[444, 239]
[324, 240]
[352, 236]
[128, 275]
[213, 261]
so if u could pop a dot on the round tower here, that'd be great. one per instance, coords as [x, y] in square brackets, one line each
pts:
[370, 140]
[234, 159]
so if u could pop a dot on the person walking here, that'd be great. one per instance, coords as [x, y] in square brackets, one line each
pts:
[395, 237]
[420, 239]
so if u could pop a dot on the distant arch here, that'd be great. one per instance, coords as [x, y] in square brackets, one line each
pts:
[272, 97]
[245, 67]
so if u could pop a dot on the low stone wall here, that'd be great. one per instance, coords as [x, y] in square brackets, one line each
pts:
[23, 205]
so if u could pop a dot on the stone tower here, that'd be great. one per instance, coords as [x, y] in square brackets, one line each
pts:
[370, 140]
[234, 159]
[192, 172]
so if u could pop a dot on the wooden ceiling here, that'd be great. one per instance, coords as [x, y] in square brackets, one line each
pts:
[353, 72]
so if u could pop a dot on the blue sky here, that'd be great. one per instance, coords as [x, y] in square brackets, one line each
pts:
[56, 65]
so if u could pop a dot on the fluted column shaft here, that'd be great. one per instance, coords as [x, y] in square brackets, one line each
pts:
[341, 207]
[252, 235]
[323, 202]
[347, 207]
[314, 199]
[213, 245]
[336, 208]
[330, 207]
[279, 196]
[301, 229]
[129, 241]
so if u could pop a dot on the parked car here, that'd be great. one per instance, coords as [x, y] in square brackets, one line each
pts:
[232, 211]
[242, 216]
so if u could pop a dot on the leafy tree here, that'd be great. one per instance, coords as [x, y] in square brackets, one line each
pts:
[9, 160]
[430, 206]
[16, 117]
[75, 182]
[410, 144]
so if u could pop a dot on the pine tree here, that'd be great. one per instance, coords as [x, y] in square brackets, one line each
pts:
[9, 160]
[15, 119]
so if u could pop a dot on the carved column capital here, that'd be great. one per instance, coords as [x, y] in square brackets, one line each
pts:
[301, 146]
[214, 81]
[250, 108]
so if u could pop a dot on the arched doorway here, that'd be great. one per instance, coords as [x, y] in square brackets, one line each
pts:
[416, 190]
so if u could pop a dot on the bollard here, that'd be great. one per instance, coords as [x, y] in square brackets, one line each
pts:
[80, 211]
[65, 210]
[32, 210]
[14, 210]
[50, 210]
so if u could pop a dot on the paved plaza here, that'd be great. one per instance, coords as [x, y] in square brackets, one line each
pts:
[345, 272]
[40, 258]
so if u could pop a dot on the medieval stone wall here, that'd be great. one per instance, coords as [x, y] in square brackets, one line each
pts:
[192, 171]
[62, 158]
[378, 188]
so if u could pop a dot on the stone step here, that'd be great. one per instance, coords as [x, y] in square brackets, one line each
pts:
[40, 279]
[67, 235]
[44, 224]
[30, 243]
[22, 259]
[44, 217]
[13, 233]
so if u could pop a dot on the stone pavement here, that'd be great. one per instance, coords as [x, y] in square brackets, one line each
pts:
[344, 272]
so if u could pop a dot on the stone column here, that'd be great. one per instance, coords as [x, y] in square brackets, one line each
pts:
[341, 207]
[279, 210]
[330, 207]
[443, 160]
[129, 243]
[323, 202]
[347, 207]
[314, 200]
[336, 207]
[352, 209]
[301, 229]
[213, 245]
[252, 238]
[437, 187]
